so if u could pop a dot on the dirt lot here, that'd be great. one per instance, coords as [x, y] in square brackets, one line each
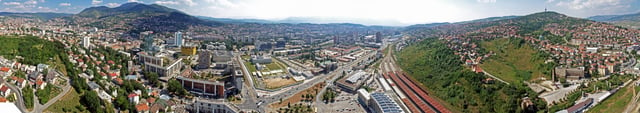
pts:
[298, 96]
[278, 82]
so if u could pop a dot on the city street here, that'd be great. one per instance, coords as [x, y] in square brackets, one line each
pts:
[39, 108]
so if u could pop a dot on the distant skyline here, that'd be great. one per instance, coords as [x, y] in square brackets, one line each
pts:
[368, 12]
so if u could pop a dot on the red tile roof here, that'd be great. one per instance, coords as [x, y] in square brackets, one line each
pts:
[113, 74]
[5, 69]
[132, 95]
[4, 88]
[39, 82]
[142, 107]
[151, 100]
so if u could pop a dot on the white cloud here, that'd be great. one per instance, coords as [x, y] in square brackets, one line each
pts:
[549, 1]
[113, 4]
[167, 2]
[12, 3]
[65, 4]
[188, 2]
[135, 1]
[223, 3]
[96, 2]
[46, 9]
[591, 4]
[31, 2]
[486, 1]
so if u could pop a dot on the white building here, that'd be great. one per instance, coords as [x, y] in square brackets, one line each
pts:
[210, 106]
[86, 42]
[178, 39]
[363, 97]
[9, 108]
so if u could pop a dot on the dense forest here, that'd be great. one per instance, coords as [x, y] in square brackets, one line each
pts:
[29, 49]
[442, 73]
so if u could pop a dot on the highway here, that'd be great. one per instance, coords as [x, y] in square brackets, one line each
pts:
[250, 98]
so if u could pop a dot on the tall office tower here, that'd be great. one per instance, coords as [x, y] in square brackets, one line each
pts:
[148, 40]
[178, 39]
[378, 37]
[86, 42]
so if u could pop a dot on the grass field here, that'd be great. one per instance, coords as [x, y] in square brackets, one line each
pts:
[511, 63]
[250, 67]
[68, 102]
[53, 93]
[617, 103]
[56, 63]
[275, 65]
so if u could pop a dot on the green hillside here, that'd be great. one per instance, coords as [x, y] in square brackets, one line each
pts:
[32, 49]
[515, 60]
[441, 73]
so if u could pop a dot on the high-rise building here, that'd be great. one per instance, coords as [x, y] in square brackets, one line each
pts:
[281, 43]
[378, 37]
[86, 42]
[148, 40]
[178, 39]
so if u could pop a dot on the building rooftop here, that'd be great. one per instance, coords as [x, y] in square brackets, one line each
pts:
[93, 85]
[355, 77]
[9, 108]
[386, 103]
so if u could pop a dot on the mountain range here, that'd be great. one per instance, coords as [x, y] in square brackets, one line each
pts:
[627, 20]
[41, 16]
[136, 17]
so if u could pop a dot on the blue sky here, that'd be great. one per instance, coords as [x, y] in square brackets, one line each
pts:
[393, 11]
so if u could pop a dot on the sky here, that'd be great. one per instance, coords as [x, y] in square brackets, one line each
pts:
[382, 12]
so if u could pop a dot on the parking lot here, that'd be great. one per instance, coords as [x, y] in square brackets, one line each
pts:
[347, 103]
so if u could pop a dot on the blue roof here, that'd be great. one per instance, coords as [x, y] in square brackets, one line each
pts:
[131, 77]
[385, 103]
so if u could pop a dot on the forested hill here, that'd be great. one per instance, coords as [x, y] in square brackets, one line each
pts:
[441, 72]
[136, 17]
[515, 50]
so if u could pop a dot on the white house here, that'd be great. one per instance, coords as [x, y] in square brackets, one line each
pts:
[4, 90]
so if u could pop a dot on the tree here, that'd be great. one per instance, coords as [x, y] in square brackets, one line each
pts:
[122, 102]
[43, 95]
[92, 101]
[27, 94]
[152, 77]
[176, 88]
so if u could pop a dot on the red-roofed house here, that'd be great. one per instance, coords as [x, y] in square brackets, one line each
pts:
[151, 100]
[4, 90]
[142, 108]
[118, 81]
[113, 75]
[40, 84]
[21, 82]
[5, 69]
[134, 98]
